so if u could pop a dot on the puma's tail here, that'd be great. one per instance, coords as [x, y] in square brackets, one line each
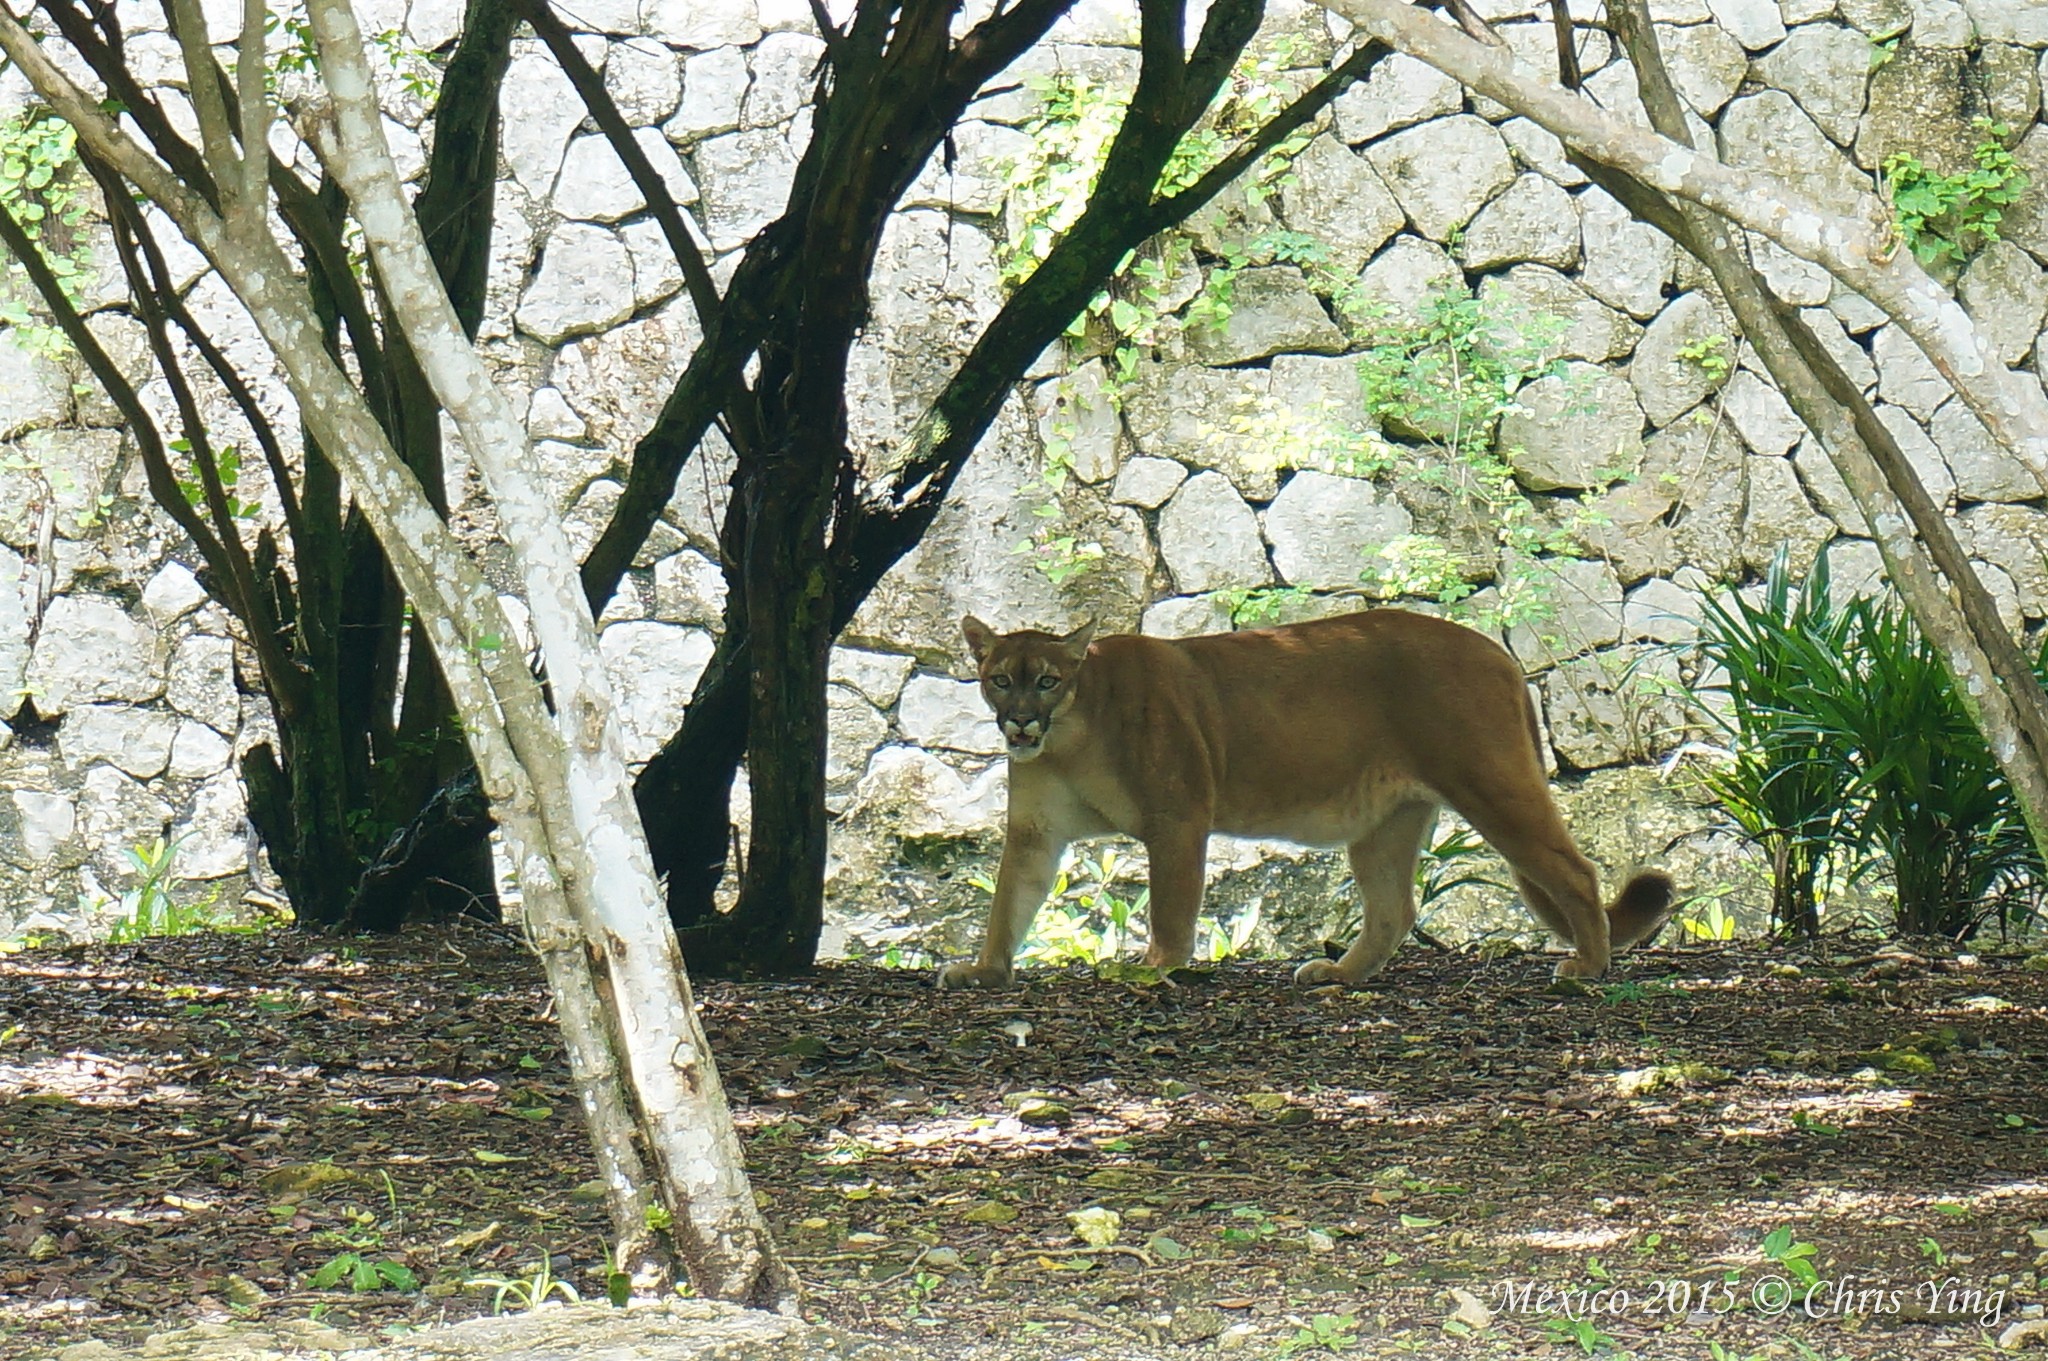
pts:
[1644, 904]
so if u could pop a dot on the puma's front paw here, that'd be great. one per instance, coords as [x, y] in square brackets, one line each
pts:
[1320, 973]
[967, 974]
[1573, 966]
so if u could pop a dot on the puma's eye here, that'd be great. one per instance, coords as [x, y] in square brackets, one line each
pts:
[1048, 682]
[999, 682]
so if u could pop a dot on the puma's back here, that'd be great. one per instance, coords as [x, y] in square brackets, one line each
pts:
[1307, 731]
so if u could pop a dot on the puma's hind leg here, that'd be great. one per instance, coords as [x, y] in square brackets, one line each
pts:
[1383, 864]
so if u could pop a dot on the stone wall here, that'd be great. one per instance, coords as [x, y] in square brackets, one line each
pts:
[1409, 184]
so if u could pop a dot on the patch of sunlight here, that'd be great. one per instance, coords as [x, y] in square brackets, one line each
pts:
[90, 1080]
[1572, 1240]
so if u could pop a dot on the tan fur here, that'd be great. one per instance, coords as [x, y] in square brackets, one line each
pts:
[1348, 732]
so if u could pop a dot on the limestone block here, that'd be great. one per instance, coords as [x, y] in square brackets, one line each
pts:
[1667, 382]
[172, 592]
[212, 833]
[1078, 414]
[34, 390]
[1395, 291]
[201, 682]
[853, 730]
[1826, 68]
[877, 675]
[116, 814]
[1205, 418]
[2009, 21]
[1767, 132]
[1920, 451]
[540, 113]
[197, 752]
[1443, 172]
[714, 88]
[1608, 709]
[1535, 299]
[1539, 149]
[1905, 375]
[1706, 64]
[977, 181]
[2006, 294]
[1186, 616]
[1584, 611]
[1271, 310]
[938, 711]
[1400, 92]
[1571, 427]
[694, 24]
[584, 285]
[784, 66]
[1760, 415]
[1338, 198]
[595, 186]
[1660, 611]
[1919, 101]
[45, 823]
[746, 179]
[1147, 482]
[653, 669]
[1756, 24]
[1828, 330]
[1325, 529]
[1779, 517]
[1878, 18]
[1627, 263]
[1210, 537]
[1533, 220]
[2025, 223]
[689, 588]
[137, 741]
[2014, 538]
[91, 651]
[912, 793]
[1984, 469]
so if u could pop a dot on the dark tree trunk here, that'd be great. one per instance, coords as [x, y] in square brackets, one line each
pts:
[685, 792]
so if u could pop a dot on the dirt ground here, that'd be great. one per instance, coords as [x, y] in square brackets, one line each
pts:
[1828, 1152]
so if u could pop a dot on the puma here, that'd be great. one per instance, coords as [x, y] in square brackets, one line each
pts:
[1350, 731]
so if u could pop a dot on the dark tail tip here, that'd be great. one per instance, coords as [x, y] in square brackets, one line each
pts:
[1644, 904]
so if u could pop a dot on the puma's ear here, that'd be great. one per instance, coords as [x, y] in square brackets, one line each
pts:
[1077, 641]
[980, 637]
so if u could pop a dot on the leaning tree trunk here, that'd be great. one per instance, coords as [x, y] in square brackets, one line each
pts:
[557, 780]
[588, 813]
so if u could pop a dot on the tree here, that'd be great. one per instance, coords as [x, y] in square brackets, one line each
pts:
[1663, 180]
[366, 730]
[804, 541]
[549, 761]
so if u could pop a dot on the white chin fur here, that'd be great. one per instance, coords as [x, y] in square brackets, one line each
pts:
[1026, 752]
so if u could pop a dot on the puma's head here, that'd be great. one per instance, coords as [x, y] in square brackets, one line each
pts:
[1027, 677]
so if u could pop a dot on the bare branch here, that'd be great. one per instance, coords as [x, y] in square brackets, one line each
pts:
[202, 82]
[590, 86]
[250, 68]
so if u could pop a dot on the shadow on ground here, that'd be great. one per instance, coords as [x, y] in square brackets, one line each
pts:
[1456, 1163]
